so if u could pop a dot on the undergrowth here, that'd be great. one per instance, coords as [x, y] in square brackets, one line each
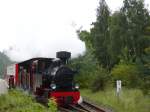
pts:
[17, 101]
[130, 100]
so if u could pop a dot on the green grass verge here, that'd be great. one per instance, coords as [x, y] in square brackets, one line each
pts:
[17, 101]
[129, 101]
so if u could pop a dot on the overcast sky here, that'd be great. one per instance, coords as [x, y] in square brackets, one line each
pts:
[33, 28]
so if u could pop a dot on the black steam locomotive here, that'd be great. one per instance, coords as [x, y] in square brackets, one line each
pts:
[47, 77]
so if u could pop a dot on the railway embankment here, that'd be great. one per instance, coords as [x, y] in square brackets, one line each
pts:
[17, 101]
[130, 100]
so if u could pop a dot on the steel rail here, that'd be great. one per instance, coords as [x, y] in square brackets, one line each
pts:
[76, 108]
[91, 107]
[62, 109]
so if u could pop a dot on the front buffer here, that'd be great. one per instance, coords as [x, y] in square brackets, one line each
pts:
[66, 98]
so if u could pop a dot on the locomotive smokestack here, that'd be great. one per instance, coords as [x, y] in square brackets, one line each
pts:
[64, 56]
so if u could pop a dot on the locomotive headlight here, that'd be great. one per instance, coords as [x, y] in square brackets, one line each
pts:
[53, 86]
[76, 86]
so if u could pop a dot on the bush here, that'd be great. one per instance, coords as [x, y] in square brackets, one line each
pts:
[100, 80]
[145, 85]
[87, 67]
[145, 78]
[85, 79]
[127, 73]
[17, 101]
[52, 105]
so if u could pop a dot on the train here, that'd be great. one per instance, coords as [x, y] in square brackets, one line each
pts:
[46, 78]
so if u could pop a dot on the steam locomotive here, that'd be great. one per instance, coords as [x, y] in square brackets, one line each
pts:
[46, 78]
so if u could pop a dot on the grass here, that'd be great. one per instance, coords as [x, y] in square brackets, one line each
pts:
[17, 101]
[129, 100]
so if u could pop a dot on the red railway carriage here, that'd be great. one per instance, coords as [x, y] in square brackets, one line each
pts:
[46, 78]
[11, 75]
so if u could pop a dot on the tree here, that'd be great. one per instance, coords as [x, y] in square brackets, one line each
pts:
[97, 40]
[117, 37]
[126, 28]
[100, 35]
[85, 36]
[123, 36]
[137, 19]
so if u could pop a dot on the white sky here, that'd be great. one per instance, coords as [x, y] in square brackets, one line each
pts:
[30, 28]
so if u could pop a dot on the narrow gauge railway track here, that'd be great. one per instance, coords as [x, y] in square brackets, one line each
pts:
[71, 108]
[89, 107]
[62, 109]
[84, 107]
[77, 108]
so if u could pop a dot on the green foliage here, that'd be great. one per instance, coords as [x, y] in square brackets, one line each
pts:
[145, 85]
[16, 101]
[144, 76]
[100, 80]
[100, 35]
[90, 75]
[97, 42]
[117, 26]
[85, 37]
[128, 73]
[127, 28]
[52, 105]
[122, 35]
[131, 100]
[137, 20]
[86, 66]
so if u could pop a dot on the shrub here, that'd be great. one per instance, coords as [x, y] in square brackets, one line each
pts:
[145, 78]
[100, 80]
[52, 105]
[86, 66]
[17, 101]
[127, 73]
[85, 79]
[145, 85]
